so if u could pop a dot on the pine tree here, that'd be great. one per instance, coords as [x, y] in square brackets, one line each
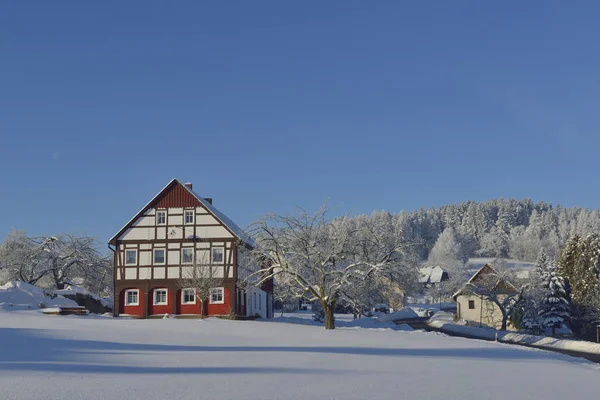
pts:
[534, 296]
[579, 265]
[554, 305]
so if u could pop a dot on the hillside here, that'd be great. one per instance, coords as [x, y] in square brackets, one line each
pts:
[501, 228]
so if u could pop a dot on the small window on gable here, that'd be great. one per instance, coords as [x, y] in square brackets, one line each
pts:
[188, 217]
[159, 256]
[161, 218]
[187, 256]
[160, 296]
[188, 296]
[471, 304]
[217, 255]
[217, 295]
[130, 257]
[132, 297]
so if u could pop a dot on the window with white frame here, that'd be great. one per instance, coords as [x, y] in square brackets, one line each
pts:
[187, 255]
[217, 255]
[188, 296]
[159, 256]
[132, 297]
[217, 295]
[160, 296]
[130, 257]
[161, 218]
[188, 217]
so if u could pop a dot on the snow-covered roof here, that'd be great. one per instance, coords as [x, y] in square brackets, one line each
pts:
[486, 269]
[224, 219]
[431, 274]
[228, 223]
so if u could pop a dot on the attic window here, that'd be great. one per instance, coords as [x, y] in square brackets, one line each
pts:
[471, 304]
[188, 217]
[161, 218]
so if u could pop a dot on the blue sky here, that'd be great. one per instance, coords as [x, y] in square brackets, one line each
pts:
[265, 106]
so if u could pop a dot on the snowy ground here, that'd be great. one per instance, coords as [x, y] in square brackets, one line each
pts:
[54, 357]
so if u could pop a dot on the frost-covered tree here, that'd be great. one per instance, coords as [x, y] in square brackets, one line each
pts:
[322, 258]
[21, 258]
[554, 306]
[494, 244]
[447, 251]
[56, 261]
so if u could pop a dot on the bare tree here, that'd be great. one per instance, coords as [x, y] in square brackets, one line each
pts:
[57, 259]
[321, 259]
[20, 257]
[202, 277]
[283, 293]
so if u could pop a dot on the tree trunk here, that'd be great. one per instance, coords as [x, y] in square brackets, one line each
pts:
[329, 320]
[201, 309]
[504, 321]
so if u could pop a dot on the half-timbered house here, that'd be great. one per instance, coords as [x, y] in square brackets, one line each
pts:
[158, 248]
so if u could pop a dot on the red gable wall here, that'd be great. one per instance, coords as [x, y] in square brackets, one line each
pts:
[176, 196]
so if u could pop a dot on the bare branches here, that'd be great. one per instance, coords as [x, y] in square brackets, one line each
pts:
[57, 260]
[202, 277]
[323, 259]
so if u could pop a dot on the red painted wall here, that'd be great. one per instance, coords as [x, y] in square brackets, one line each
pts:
[220, 309]
[187, 308]
[132, 310]
[159, 309]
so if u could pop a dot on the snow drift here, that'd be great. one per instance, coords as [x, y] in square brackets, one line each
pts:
[23, 296]
[444, 321]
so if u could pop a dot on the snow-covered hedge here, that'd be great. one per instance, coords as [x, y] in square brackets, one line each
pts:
[444, 322]
[23, 296]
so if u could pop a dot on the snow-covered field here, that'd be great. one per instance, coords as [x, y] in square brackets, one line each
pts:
[54, 357]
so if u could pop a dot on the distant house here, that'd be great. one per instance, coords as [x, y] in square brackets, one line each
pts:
[477, 309]
[432, 276]
[175, 232]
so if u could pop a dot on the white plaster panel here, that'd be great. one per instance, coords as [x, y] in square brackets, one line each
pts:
[174, 257]
[145, 257]
[212, 232]
[175, 233]
[203, 256]
[145, 246]
[159, 272]
[187, 272]
[205, 220]
[218, 272]
[130, 273]
[145, 273]
[173, 273]
[136, 234]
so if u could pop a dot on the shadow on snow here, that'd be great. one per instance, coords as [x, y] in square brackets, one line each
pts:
[36, 350]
